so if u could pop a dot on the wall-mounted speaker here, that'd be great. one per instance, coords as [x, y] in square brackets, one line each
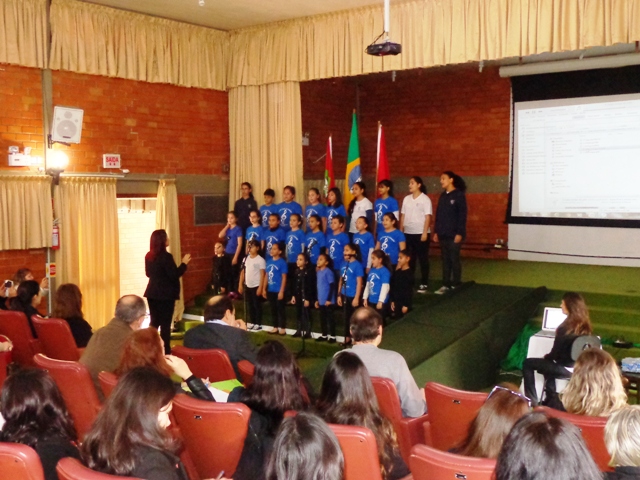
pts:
[67, 124]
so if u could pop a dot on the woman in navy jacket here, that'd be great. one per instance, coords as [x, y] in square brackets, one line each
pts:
[164, 284]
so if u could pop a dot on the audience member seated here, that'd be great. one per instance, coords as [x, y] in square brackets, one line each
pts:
[25, 274]
[347, 398]
[27, 300]
[502, 409]
[35, 415]
[6, 292]
[622, 437]
[145, 348]
[67, 304]
[545, 448]
[554, 364]
[366, 332]
[305, 448]
[222, 330]
[276, 388]
[129, 436]
[595, 388]
[105, 347]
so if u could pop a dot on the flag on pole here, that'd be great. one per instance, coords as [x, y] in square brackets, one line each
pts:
[353, 174]
[329, 179]
[382, 163]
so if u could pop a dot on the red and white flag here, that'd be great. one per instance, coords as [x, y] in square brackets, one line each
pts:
[382, 163]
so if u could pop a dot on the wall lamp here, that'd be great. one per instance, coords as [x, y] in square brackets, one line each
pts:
[57, 161]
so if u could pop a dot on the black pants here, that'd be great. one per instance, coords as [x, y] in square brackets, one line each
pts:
[348, 309]
[451, 266]
[303, 316]
[255, 305]
[550, 369]
[289, 290]
[419, 252]
[233, 281]
[277, 310]
[327, 322]
[161, 315]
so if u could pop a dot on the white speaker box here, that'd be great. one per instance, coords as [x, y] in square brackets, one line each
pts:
[67, 124]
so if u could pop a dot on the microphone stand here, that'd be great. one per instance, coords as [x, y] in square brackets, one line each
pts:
[243, 268]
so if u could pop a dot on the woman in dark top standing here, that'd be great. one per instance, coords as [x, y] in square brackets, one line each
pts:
[244, 206]
[35, 415]
[451, 228]
[164, 284]
[27, 300]
[67, 304]
[553, 364]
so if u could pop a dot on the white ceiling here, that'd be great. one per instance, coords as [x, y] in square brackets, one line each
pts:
[232, 14]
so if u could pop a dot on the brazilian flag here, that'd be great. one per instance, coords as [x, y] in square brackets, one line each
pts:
[353, 174]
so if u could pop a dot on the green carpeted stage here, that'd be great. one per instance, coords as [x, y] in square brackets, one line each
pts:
[459, 339]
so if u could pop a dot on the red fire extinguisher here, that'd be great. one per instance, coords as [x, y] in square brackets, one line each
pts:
[55, 240]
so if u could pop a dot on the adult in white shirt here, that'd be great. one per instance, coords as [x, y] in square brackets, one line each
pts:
[415, 219]
[360, 206]
[252, 276]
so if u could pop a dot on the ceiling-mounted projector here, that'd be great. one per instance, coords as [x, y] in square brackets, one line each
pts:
[383, 49]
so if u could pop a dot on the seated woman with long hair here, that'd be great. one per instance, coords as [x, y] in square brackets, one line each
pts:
[347, 398]
[35, 415]
[27, 300]
[129, 436]
[502, 409]
[145, 348]
[67, 305]
[622, 437]
[595, 388]
[554, 364]
[276, 388]
[305, 448]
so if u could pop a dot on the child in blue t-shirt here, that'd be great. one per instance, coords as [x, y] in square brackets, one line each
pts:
[275, 283]
[326, 286]
[273, 234]
[232, 232]
[350, 286]
[314, 207]
[335, 206]
[391, 240]
[295, 246]
[365, 241]
[315, 239]
[255, 231]
[376, 292]
[268, 208]
[386, 203]
[336, 240]
[288, 207]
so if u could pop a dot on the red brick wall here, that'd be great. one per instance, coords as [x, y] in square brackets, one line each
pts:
[450, 118]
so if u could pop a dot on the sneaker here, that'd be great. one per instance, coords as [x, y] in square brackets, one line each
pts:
[423, 288]
[332, 340]
[322, 338]
[442, 290]
[256, 328]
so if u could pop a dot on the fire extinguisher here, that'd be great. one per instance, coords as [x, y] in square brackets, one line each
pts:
[55, 238]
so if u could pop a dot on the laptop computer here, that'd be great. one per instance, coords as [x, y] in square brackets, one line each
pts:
[551, 320]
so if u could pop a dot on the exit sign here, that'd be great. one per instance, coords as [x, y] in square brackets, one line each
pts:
[111, 160]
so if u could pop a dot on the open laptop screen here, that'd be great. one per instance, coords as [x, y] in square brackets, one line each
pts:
[553, 317]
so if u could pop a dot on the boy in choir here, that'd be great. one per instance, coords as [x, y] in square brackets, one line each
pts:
[268, 208]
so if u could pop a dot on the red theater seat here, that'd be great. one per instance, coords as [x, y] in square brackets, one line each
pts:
[410, 431]
[14, 325]
[71, 469]
[246, 369]
[360, 452]
[451, 412]
[18, 461]
[108, 382]
[213, 363]
[56, 338]
[427, 463]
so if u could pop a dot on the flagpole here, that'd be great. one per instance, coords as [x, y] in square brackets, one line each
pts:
[378, 154]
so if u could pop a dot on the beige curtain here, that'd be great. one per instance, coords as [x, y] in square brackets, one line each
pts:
[26, 214]
[167, 219]
[23, 32]
[98, 40]
[265, 130]
[89, 252]
[432, 32]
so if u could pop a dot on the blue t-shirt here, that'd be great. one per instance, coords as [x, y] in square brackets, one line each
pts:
[232, 239]
[325, 278]
[314, 243]
[318, 209]
[285, 210]
[254, 233]
[295, 245]
[365, 242]
[333, 211]
[377, 277]
[274, 271]
[349, 273]
[335, 248]
[380, 207]
[390, 243]
[271, 237]
[265, 211]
